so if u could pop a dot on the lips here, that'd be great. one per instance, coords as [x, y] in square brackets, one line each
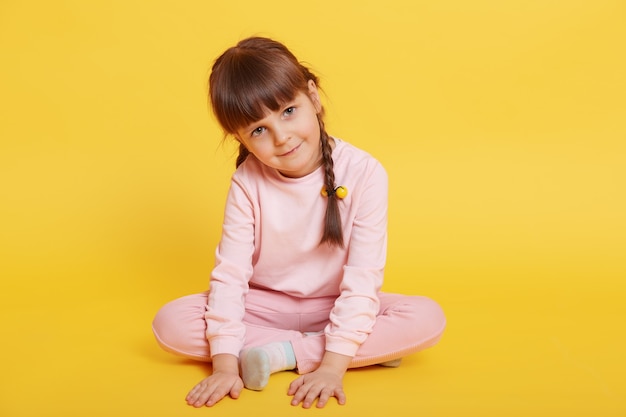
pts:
[290, 151]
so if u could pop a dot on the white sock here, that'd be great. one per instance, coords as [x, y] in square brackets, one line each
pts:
[394, 363]
[258, 363]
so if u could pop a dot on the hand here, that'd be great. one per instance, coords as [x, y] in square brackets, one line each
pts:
[224, 380]
[213, 388]
[321, 384]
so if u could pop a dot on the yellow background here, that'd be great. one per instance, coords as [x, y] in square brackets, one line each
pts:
[502, 126]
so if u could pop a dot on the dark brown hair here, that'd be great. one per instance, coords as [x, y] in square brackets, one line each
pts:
[260, 74]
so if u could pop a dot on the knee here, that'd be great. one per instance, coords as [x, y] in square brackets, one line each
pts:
[432, 314]
[166, 326]
[179, 327]
[426, 313]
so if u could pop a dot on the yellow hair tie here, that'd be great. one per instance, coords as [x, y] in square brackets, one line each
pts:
[341, 192]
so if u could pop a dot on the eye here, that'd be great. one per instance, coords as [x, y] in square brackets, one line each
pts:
[289, 111]
[258, 131]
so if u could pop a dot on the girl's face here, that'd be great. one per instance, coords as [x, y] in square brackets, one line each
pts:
[288, 139]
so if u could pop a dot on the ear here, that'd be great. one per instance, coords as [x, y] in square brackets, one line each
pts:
[314, 95]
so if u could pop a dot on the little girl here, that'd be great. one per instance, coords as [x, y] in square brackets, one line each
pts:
[299, 267]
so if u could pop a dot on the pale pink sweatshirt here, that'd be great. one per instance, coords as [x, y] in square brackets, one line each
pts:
[270, 240]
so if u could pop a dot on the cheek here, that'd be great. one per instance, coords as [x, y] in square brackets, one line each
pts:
[313, 127]
[261, 149]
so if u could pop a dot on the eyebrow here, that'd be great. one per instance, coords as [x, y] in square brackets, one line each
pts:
[289, 103]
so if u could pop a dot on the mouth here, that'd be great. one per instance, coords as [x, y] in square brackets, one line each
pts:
[291, 151]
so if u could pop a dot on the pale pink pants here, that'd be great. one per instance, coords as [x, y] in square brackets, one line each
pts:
[405, 325]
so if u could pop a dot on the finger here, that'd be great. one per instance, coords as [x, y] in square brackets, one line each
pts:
[299, 395]
[194, 391]
[310, 397]
[205, 394]
[341, 396]
[236, 390]
[324, 396]
[194, 394]
[201, 399]
[295, 385]
[214, 398]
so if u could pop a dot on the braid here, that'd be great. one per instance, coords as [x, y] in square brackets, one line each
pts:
[333, 233]
[243, 154]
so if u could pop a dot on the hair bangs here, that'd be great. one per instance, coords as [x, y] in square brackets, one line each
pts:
[252, 87]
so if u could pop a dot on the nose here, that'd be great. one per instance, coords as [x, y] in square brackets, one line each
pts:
[281, 135]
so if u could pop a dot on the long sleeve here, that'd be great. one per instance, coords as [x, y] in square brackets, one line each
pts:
[354, 314]
[229, 279]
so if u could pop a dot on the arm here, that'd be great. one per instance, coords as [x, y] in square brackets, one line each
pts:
[354, 313]
[225, 309]
[356, 308]
[231, 274]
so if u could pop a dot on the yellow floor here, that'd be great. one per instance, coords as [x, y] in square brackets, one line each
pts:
[514, 352]
[501, 125]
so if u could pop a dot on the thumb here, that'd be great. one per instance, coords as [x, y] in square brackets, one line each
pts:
[235, 391]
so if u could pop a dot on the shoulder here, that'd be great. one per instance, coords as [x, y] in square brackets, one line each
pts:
[246, 181]
[355, 161]
[250, 171]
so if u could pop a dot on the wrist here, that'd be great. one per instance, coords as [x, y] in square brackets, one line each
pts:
[335, 363]
[225, 362]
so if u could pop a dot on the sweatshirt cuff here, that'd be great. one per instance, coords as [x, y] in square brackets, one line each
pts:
[341, 346]
[225, 344]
